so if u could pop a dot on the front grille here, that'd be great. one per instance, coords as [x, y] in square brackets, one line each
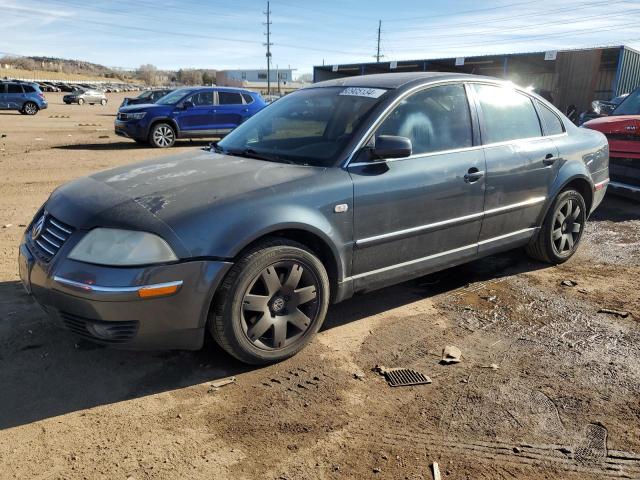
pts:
[109, 332]
[49, 238]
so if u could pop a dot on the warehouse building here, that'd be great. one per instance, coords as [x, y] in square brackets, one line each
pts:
[573, 77]
[256, 79]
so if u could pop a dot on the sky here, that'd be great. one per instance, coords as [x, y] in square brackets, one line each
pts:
[229, 34]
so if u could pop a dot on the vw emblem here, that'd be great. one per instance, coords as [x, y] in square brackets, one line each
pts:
[278, 304]
[37, 228]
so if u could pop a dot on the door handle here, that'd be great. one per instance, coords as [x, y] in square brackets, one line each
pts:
[550, 159]
[473, 175]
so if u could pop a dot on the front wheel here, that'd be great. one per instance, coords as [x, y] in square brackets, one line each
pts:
[561, 230]
[271, 304]
[162, 135]
[30, 108]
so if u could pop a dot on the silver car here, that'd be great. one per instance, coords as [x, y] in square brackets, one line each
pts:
[85, 96]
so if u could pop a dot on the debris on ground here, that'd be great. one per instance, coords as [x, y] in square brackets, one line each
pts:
[568, 283]
[358, 375]
[492, 366]
[617, 313]
[489, 298]
[402, 377]
[435, 470]
[222, 383]
[451, 354]
[8, 225]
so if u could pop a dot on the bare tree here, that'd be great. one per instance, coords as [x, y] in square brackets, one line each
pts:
[147, 73]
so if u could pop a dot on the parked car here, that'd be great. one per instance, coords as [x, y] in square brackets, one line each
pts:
[622, 128]
[24, 97]
[194, 112]
[82, 96]
[301, 206]
[601, 108]
[146, 97]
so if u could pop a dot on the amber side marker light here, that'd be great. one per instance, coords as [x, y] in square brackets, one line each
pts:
[159, 290]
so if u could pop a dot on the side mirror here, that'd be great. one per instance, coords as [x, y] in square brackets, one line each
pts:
[390, 146]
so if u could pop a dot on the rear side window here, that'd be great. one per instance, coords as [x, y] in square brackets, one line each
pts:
[229, 98]
[435, 119]
[247, 98]
[14, 88]
[507, 114]
[28, 89]
[552, 124]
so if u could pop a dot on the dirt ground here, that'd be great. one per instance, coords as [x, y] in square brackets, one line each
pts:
[564, 402]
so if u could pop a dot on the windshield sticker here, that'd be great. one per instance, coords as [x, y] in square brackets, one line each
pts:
[363, 92]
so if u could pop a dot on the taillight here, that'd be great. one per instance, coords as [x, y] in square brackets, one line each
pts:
[41, 95]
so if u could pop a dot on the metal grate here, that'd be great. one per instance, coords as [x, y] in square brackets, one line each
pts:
[109, 332]
[402, 377]
[48, 238]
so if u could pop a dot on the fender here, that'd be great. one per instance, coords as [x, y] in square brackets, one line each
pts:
[569, 172]
[166, 119]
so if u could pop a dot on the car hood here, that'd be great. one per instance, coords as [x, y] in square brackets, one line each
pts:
[164, 195]
[616, 124]
[138, 107]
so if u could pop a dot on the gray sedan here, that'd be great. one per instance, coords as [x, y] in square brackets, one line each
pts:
[337, 189]
[85, 96]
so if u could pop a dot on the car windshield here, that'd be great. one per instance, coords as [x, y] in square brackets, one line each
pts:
[146, 94]
[174, 97]
[630, 105]
[308, 127]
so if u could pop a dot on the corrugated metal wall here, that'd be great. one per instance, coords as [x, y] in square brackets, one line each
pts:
[628, 77]
[577, 74]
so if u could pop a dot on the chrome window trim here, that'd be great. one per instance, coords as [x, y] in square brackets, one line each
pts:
[431, 226]
[440, 254]
[97, 288]
[347, 163]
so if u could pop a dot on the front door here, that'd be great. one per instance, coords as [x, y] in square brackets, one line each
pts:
[521, 165]
[419, 213]
[196, 119]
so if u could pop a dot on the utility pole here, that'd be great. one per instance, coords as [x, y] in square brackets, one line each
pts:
[379, 32]
[268, 45]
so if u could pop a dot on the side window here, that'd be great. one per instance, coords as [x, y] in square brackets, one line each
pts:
[434, 119]
[247, 98]
[28, 89]
[507, 114]
[229, 98]
[552, 124]
[14, 88]
[202, 99]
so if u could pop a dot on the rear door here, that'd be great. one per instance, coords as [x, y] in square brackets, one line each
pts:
[418, 213]
[197, 119]
[14, 96]
[3, 96]
[229, 110]
[521, 165]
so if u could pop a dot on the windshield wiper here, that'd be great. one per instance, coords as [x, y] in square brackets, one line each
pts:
[251, 153]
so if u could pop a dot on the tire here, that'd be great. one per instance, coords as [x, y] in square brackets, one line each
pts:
[561, 230]
[103, 102]
[81, 101]
[253, 316]
[30, 108]
[162, 135]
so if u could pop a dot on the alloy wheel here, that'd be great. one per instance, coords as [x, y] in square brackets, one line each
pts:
[30, 109]
[567, 227]
[280, 305]
[163, 136]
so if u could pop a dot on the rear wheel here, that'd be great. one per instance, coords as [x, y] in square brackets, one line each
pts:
[30, 108]
[271, 303]
[561, 230]
[162, 135]
[103, 102]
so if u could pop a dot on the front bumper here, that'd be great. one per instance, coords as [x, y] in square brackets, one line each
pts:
[102, 303]
[133, 129]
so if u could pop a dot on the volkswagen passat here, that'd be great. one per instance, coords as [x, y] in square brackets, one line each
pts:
[340, 188]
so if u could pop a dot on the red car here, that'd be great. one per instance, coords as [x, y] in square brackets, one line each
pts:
[622, 129]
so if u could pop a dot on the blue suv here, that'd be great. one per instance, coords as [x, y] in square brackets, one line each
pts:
[25, 97]
[193, 112]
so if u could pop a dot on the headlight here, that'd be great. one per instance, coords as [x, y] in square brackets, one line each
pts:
[136, 116]
[111, 246]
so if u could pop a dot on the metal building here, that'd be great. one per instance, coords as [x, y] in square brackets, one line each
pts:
[573, 77]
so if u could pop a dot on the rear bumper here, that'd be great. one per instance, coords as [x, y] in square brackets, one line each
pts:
[102, 304]
[625, 177]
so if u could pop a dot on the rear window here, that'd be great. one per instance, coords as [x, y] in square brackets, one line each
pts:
[507, 114]
[14, 88]
[247, 98]
[229, 98]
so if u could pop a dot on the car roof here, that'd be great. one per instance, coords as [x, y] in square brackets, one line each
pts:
[397, 80]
